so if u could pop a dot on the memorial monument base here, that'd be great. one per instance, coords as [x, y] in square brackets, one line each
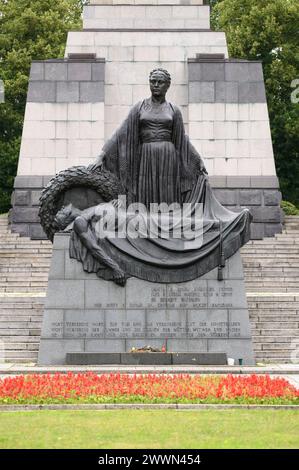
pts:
[144, 358]
[85, 314]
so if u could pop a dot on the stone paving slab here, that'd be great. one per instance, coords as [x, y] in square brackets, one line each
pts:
[144, 406]
[273, 369]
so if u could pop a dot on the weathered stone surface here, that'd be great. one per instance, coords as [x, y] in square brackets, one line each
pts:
[91, 92]
[226, 294]
[53, 323]
[207, 359]
[57, 265]
[41, 92]
[55, 71]
[89, 358]
[257, 231]
[192, 345]
[236, 71]
[201, 92]
[270, 230]
[125, 324]
[236, 349]
[105, 345]
[84, 324]
[79, 71]
[37, 71]
[227, 197]
[104, 294]
[153, 296]
[73, 269]
[66, 294]
[35, 195]
[25, 214]
[266, 214]
[227, 92]
[36, 232]
[68, 92]
[272, 198]
[146, 358]
[238, 324]
[252, 92]
[98, 72]
[264, 182]
[250, 197]
[212, 72]
[22, 229]
[28, 182]
[21, 198]
[53, 351]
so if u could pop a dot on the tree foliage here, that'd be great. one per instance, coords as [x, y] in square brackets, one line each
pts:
[29, 30]
[268, 31]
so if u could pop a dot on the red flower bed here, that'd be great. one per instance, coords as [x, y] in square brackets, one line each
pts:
[118, 388]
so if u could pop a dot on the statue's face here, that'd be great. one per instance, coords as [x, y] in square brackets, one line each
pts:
[158, 85]
[64, 216]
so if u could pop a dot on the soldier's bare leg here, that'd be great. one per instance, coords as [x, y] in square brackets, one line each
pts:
[89, 241]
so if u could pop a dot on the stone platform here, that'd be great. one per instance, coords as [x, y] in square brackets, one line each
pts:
[86, 314]
[143, 358]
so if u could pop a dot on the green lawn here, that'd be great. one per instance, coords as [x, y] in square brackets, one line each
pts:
[264, 429]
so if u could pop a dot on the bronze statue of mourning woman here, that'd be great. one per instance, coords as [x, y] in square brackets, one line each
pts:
[155, 163]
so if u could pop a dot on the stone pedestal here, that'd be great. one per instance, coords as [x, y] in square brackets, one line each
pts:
[86, 314]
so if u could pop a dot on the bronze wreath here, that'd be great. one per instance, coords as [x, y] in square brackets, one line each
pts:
[103, 182]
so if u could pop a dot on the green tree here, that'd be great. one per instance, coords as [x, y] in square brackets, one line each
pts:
[267, 30]
[29, 30]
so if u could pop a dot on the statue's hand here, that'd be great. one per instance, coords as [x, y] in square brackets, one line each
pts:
[97, 165]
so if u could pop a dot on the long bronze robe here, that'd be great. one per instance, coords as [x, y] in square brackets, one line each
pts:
[160, 259]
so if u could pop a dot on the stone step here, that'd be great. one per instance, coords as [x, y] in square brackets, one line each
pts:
[272, 339]
[278, 332]
[268, 325]
[274, 281]
[22, 290]
[20, 332]
[275, 356]
[22, 360]
[21, 339]
[21, 346]
[256, 317]
[279, 347]
[16, 355]
[19, 277]
[15, 285]
[262, 306]
[272, 271]
[34, 271]
[19, 325]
